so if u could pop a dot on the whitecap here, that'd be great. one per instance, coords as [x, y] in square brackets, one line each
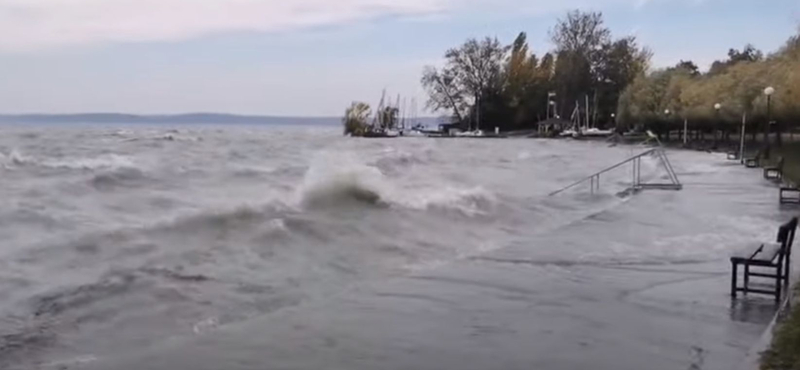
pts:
[106, 161]
[341, 178]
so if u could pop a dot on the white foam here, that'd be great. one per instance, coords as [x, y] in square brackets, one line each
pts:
[14, 159]
[470, 201]
[205, 326]
[103, 162]
[337, 176]
[334, 177]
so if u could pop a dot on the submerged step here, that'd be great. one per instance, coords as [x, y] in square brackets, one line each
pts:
[636, 181]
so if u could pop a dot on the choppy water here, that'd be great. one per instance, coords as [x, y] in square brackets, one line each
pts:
[117, 238]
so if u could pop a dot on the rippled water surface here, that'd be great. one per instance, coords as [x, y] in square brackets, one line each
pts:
[117, 238]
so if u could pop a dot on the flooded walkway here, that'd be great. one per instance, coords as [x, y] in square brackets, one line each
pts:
[658, 300]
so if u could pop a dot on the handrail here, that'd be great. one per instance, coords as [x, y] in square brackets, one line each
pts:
[631, 159]
[673, 176]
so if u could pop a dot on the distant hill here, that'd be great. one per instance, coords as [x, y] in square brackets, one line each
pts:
[189, 118]
[215, 118]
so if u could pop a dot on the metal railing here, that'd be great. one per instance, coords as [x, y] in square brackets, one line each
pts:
[636, 182]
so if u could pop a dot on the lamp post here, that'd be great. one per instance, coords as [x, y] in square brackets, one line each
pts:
[742, 138]
[550, 102]
[667, 113]
[768, 92]
[717, 107]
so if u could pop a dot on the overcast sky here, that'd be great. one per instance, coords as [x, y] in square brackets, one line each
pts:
[312, 57]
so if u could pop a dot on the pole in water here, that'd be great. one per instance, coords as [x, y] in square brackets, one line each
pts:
[685, 130]
[741, 145]
[587, 111]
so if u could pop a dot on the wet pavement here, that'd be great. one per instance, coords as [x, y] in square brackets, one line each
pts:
[660, 300]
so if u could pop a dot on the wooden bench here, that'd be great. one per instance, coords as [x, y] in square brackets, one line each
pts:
[790, 195]
[770, 257]
[753, 162]
[774, 172]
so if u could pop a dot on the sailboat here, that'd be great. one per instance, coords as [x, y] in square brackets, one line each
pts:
[583, 129]
[416, 129]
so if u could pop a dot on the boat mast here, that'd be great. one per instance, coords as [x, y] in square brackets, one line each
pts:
[587, 111]
[379, 112]
[403, 115]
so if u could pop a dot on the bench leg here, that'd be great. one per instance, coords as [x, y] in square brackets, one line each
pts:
[779, 283]
[733, 279]
[787, 270]
[746, 278]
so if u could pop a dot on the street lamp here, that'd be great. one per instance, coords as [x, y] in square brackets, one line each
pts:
[550, 102]
[717, 107]
[768, 92]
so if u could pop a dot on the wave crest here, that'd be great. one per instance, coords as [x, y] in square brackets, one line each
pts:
[467, 201]
[126, 176]
[336, 179]
[102, 162]
[14, 159]
[332, 180]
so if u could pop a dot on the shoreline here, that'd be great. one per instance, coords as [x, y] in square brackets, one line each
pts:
[511, 307]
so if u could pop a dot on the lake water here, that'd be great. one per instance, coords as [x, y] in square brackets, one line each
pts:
[117, 240]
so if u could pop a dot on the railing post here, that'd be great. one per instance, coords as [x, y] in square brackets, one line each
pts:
[636, 175]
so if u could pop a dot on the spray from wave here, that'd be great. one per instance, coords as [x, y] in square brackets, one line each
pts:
[102, 162]
[341, 178]
[14, 159]
[338, 179]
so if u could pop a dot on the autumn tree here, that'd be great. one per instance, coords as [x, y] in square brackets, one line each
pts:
[590, 62]
[356, 118]
[471, 71]
[443, 91]
[737, 84]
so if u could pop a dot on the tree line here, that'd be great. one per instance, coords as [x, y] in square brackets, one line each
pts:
[486, 84]
[716, 102]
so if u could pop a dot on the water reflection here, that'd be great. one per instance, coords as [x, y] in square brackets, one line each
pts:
[753, 309]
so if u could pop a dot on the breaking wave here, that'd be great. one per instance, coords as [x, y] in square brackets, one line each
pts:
[125, 176]
[342, 179]
[14, 159]
[103, 162]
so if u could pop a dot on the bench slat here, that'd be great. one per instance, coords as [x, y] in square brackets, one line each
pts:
[758, 274]
[765, 253]
[768, 253]
[759, 291]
